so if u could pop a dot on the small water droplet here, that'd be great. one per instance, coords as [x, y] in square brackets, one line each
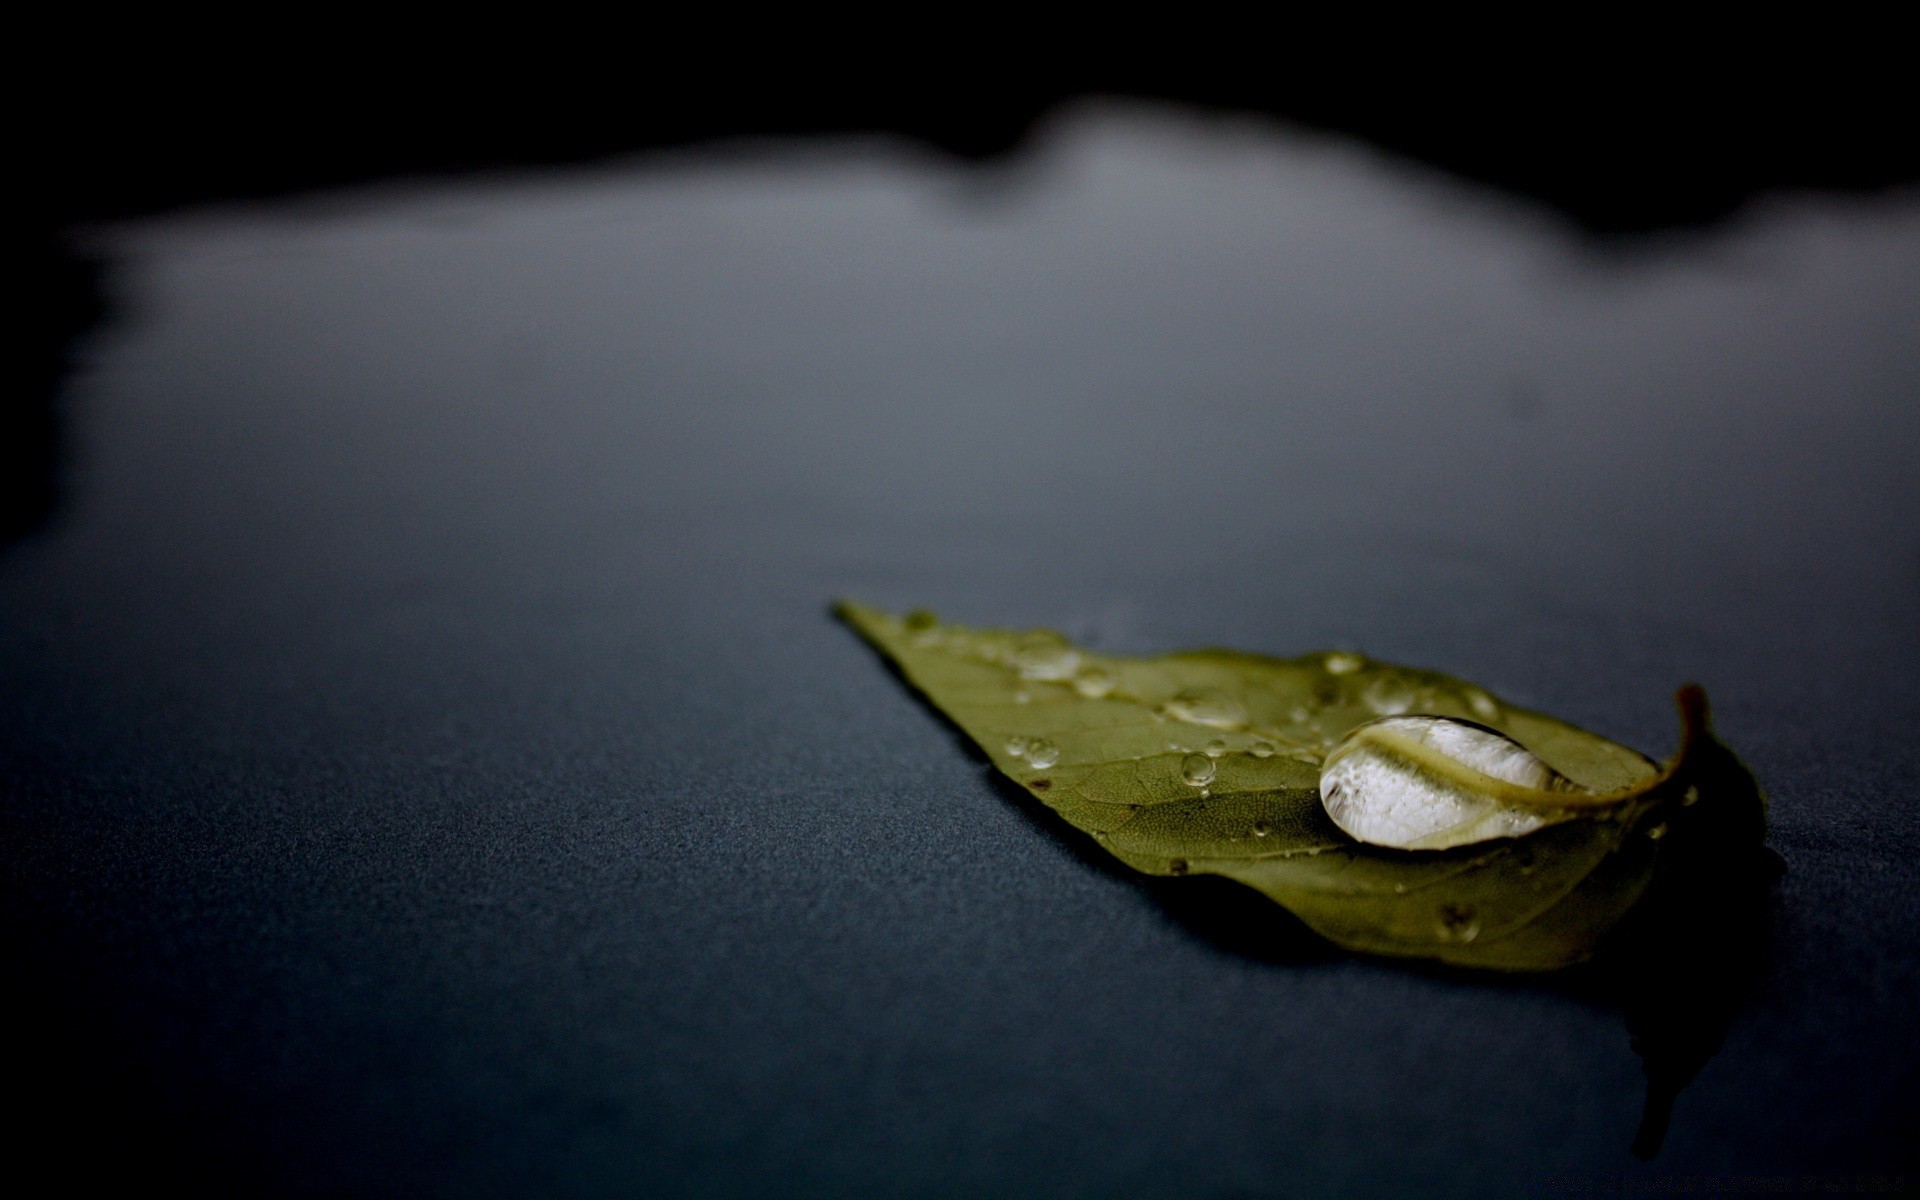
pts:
[1483, 705]
[921, 618]
[1457, 923]
[1691, 798]
[1042, 753]
[1340, 662]
[1216, 748]
[1177, 867]
[1261, 829]
[1299, 715]
[1101, 835]
[1023, 697]
[1017, 747]
[1198, 770]
[1208, 706]
[1389, 695]
[1657, 831]
[1045, 655]
[1093, 682]
[1261, 749]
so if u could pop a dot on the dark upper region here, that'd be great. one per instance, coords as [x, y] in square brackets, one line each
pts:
[1622, 127]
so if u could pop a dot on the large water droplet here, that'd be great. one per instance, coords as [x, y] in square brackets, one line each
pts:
[1042, 753]
[1341, 662]
[1375, 788]
[1208, 706]
[1457, 923]
[1093, 682]
[1045, 655]
[1198, 770]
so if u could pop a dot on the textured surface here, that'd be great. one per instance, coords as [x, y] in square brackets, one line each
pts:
[430, 766]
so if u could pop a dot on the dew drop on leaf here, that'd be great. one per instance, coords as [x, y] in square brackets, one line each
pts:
[1389, 695]
[1093, 682]
[920, 619]
[1198, 770]
[1042, 753]
[1261, 749]
[1046, 656]
[1216, 748]
[1208, 706]
[1457, 923]
[1418, 783]
[1017, 747]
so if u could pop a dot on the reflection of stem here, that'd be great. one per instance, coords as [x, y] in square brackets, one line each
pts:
[1654, 1117]
[1686, 955]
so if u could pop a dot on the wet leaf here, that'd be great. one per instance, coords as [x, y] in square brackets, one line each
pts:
[1211, 761]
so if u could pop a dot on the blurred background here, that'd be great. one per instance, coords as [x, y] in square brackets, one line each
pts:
[430, 767]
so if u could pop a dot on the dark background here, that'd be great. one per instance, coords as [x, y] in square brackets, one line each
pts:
[430, 765]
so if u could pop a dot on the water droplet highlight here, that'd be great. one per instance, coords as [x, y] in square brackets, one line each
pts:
[1341, 662]
[1042, 753]
[1198, 770]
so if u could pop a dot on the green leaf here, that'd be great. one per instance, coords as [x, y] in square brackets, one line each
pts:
[1210, 762]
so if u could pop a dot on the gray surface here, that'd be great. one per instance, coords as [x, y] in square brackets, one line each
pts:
[427, 743]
